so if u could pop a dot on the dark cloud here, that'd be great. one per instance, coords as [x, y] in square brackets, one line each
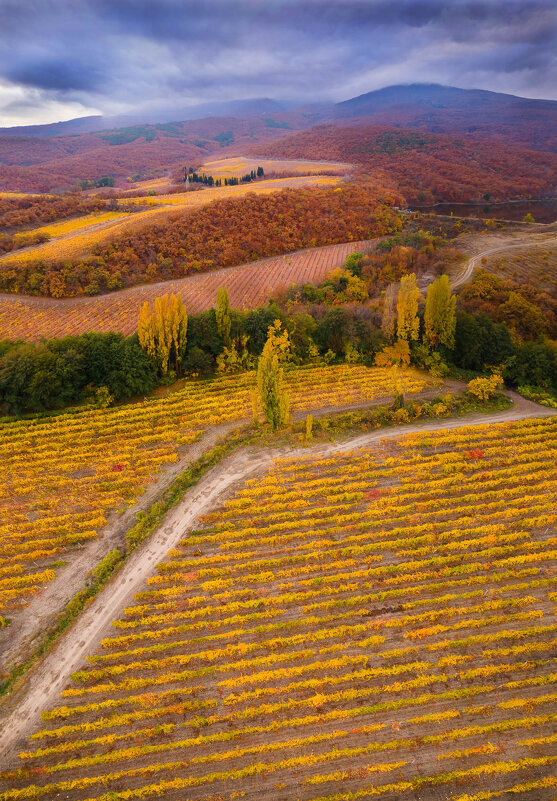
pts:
[59, 75]
[114, 55]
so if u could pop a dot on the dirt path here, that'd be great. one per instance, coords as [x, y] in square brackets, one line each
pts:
[25, 631]
[45, 684]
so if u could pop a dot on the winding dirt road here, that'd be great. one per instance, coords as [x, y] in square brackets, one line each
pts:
[41, 689]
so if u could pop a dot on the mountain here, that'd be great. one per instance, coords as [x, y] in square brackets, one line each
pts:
[68, 127]
[432, 107]
[446, 109]
[161, 113]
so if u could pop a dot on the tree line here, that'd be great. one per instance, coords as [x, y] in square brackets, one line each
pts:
[436, 335]
[210, 180]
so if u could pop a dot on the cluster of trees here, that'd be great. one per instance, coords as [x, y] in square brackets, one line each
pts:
[222, 234]
[425, 167]
[17, 213]
[210, 180]
[525, 309]
[59, 372]
[366, 276]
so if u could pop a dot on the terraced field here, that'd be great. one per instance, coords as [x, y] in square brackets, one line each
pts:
[249, 286]
[60, 477]
[377, 622]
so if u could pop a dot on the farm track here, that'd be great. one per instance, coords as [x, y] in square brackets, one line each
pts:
[44, 684]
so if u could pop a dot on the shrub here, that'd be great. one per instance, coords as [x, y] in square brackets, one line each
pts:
[485, 388]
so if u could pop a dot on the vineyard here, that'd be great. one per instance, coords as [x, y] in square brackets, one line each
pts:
[249, 286]
[60, 477]
[77, 238]
[229, 167]
[536, 266]
[368, 623]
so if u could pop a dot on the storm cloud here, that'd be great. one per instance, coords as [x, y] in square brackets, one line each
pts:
[65, 58]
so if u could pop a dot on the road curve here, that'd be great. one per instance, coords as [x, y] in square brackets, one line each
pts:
[43, 686]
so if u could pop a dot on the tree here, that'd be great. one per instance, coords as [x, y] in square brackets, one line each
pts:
[408, 324]
[397, 357]
[388, 320]
[273, 397]
[163, 331]
[223, 315]
[440, 314]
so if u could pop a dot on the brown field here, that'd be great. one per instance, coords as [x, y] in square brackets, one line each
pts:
[249, 286]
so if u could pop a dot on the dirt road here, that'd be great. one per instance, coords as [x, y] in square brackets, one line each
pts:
[43, 686]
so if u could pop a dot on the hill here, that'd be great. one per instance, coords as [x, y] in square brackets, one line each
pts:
[163, 113]
[446, 109]
[427, 167]
[47, 157]
[43, 164]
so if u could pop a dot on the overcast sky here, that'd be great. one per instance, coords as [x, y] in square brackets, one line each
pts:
[68, 58]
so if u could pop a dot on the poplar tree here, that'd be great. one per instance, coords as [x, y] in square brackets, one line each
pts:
[389, 318]
[408, 323]
[224, 322]
[162, 331]
[273, 397]
[440, 315]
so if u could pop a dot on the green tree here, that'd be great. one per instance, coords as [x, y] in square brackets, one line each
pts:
[273, 397]
[408, 323]
[223, 315]
[440, 313]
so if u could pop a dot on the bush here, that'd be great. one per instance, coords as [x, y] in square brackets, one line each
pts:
[538, 395]
[485, 388]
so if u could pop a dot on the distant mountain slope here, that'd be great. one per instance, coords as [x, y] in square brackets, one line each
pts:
[44, 164]
[425, 166]
[33, 161]
[446, 109]
[163, 113]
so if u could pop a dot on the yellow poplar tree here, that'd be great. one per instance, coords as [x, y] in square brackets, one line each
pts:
[408, 323]
[388, 320]
[440, 317]
[162, 331]
[273, 397]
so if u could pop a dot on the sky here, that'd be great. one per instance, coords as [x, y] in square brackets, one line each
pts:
[61, 59]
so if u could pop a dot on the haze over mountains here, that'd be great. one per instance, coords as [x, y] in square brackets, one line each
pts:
[60, 156]
[431, 106]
